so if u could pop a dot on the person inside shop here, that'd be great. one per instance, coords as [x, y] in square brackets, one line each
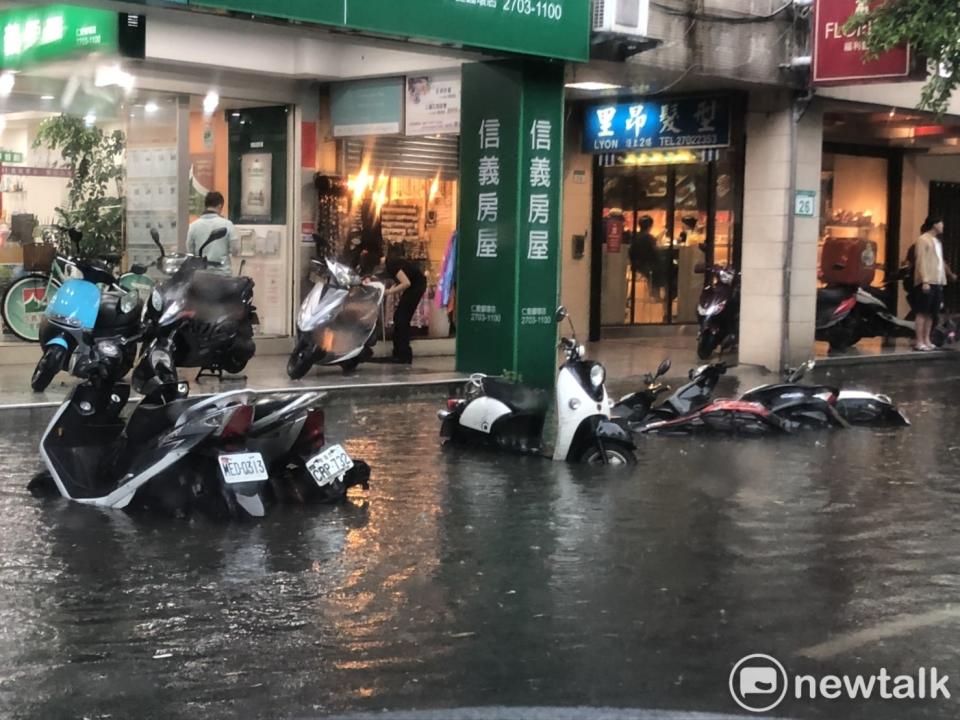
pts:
[200, 230]
[643, 255]
[930, 275]
[410, 284]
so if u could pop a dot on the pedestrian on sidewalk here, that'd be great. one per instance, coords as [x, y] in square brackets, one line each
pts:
[410, 285]
[930, 275]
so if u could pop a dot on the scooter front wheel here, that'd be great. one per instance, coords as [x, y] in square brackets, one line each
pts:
[612, 454]
[299, 364]
[49, 365]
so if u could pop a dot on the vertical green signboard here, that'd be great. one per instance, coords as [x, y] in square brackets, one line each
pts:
[511, 170]
[54, 32]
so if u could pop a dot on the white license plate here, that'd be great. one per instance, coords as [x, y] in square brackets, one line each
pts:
[243, 467]
[327, 465]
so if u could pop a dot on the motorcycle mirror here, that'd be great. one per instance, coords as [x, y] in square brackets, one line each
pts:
[217, 234]
[75, 237]
[664, 367]
[561, 314]
[138, 269]
[155, 236]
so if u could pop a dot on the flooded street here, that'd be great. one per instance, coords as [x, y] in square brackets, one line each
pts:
[467, 578]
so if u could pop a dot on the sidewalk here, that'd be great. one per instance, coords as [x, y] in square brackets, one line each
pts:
[626, 361]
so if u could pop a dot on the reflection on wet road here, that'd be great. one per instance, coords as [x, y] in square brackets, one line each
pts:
[470, 578]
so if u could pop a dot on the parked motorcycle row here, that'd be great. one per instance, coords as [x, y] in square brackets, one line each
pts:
[234, 454]
[592, 429]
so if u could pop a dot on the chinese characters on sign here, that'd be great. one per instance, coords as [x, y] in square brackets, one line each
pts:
[484, 313]
[54, 32]
[488, 200]
[658, 125]
[535, 316]
[541, 178]
[433, 104]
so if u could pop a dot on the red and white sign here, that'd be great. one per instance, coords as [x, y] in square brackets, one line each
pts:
[614, 234]
[838, 55]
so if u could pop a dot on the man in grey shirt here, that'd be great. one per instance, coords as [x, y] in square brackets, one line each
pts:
[200, 229]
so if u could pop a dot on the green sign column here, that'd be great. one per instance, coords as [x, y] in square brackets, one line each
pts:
[511, 168]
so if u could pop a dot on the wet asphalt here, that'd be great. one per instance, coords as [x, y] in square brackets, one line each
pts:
[468, 578]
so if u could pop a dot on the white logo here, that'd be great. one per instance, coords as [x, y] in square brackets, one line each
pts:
[605, 116]
[758, 683]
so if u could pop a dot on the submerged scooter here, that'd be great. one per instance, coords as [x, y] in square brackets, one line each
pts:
[336, 322]
[288, 430]
[173, 456]
[91, 323]
[197, 319]
[508, 416]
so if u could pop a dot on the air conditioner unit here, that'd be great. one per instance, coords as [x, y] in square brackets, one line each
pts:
[621, 17]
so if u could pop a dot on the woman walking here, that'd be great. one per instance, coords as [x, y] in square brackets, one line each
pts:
[930, 275]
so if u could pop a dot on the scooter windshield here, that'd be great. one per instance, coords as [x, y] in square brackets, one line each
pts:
[343, 320]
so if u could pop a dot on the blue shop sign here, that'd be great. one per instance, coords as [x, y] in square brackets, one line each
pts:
[693, 123]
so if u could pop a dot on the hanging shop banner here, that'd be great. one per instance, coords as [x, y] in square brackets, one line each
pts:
[839, 55]
[658, 125]
[550, 28]
[369, 107]
[433, 104]
[255, 186]
[29, 36]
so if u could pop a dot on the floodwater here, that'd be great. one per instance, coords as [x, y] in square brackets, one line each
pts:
[468, 578]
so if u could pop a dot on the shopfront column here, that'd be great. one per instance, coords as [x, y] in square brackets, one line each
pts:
[768, 212]
[508, 263]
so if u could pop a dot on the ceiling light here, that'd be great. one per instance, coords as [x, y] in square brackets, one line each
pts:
[151, 107]
[236, 114]
[210, 103]
[90, 118]
[46, 97]
[7, 81]
[592, 86]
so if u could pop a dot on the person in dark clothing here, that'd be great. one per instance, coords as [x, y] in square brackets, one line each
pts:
[643, 256]
[411, 283]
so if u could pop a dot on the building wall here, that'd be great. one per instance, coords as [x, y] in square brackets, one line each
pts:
[577, 218]
[767, 216]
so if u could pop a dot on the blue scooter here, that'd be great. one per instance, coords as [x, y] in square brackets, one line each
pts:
[91, 325]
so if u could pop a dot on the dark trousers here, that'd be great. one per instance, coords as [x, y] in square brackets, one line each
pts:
[406, 307]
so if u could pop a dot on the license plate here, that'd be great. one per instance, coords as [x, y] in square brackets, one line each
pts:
[327, 465]
[243, 467]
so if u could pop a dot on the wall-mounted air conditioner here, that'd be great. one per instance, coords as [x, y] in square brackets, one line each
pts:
[621, 17]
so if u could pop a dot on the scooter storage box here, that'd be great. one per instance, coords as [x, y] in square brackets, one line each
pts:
[848, 261]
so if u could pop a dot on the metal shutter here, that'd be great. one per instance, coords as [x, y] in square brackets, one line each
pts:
[411, 156]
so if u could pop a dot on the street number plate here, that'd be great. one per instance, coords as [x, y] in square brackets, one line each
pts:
[327, 465]
[243, 467]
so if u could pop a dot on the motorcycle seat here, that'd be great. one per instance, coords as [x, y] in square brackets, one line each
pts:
[517, 397]
[149, 419]
[833, 294]
[216, 288]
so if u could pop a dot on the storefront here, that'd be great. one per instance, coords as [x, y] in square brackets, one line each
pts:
[76, 108]
[667, 204]
[396, 188]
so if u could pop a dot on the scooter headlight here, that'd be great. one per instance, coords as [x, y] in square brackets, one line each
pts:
[597, 375]
[108, 349]
[128, 302]
[156, 300]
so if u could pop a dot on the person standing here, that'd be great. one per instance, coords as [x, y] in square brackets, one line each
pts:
[218, 251]
[930, 275]
[410, 285]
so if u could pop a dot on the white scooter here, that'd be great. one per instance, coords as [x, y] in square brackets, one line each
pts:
[500, 414]
[337, 321]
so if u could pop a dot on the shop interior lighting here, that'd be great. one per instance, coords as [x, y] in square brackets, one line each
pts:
[590, 86]
[210, 103]
[7, 81]
[662, 158]
[893, 112]
[151, 107]
[90, 119]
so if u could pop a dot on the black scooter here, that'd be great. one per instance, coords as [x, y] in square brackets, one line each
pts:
[718, 311]
[846, 314]
[198, 318]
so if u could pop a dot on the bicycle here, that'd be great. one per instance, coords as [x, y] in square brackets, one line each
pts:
[25, 300]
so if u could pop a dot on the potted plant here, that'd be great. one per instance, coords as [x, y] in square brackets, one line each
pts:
[95, 190]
